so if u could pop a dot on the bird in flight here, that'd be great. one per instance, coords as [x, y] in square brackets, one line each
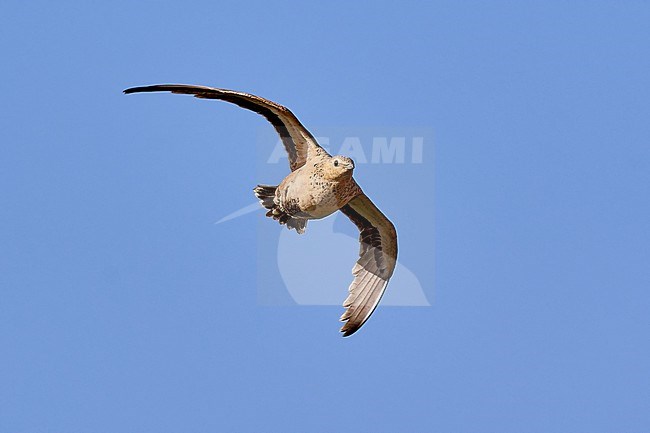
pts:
[319, 185]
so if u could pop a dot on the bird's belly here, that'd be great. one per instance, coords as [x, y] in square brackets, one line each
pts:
[320, 207]
[304, 196]
[309, 203]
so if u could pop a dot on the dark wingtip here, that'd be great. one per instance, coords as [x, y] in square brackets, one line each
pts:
[349, 332]
[137, 89]
[174, 88]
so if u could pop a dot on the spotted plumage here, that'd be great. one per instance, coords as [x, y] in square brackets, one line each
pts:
[319, 184]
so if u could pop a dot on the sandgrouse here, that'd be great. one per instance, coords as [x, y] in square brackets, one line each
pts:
[319, 184]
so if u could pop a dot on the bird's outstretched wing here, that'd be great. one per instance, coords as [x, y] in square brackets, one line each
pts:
[297, 140]
[376, 263]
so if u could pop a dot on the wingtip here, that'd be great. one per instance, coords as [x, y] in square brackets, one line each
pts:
[133, 90]
[348, 331]
[151, 88]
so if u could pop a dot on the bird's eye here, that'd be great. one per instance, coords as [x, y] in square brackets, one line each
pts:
[336, 163]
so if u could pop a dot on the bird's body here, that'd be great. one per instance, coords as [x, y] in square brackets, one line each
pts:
[319, 185]
[318, 188]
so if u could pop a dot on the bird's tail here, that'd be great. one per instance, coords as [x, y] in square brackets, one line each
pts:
[266, 195]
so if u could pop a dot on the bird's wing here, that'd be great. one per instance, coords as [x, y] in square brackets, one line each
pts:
[297, 140]
[377, 257]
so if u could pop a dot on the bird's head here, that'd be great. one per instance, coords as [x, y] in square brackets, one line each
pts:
[339, 167]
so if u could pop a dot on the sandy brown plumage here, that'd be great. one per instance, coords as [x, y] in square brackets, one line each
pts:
[319, 184]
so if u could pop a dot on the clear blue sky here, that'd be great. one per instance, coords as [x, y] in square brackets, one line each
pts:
[123, 307]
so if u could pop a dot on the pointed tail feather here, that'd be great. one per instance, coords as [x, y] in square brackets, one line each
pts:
[266, 195]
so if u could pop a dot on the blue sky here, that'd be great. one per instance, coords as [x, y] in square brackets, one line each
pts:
[125, 308]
